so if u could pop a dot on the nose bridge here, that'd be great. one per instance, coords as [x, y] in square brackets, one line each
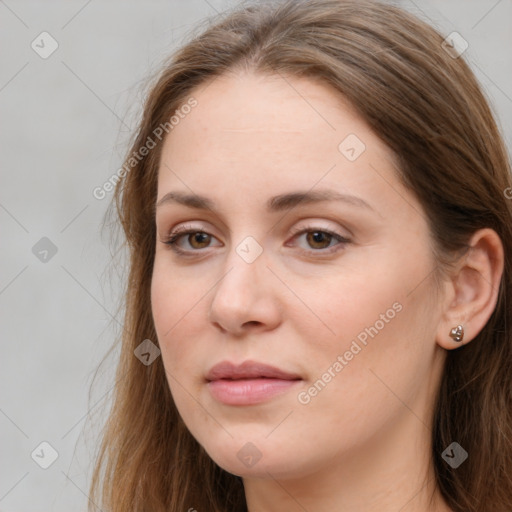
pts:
[245, 268]
[243, 293]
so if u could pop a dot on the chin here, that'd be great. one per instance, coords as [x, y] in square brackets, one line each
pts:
[260, 459]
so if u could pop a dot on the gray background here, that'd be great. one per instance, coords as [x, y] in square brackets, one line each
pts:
[65, 123]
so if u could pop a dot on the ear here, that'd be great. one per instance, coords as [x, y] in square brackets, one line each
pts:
[472, 292]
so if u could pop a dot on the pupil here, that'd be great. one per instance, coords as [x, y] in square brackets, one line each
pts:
[319, 237]
[200, 238]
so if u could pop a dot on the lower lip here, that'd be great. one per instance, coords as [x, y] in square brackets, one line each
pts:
[248, 391]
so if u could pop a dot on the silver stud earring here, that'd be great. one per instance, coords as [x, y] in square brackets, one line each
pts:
[457, 333]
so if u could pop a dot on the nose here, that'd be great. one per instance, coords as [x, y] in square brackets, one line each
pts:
[245, 298]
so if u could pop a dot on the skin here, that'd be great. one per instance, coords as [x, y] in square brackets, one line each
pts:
[363, 441]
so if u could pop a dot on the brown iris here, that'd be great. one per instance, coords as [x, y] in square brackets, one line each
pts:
[201, 239]
[318, 239]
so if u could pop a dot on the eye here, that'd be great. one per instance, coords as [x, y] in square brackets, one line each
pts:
[320, 239]
[188, 239]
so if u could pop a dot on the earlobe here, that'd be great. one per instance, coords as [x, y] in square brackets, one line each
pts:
[473, 290]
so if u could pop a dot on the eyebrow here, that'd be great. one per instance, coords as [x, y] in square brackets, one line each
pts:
[274, 204]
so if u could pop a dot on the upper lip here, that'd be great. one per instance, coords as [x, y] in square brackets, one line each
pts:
[247, 370]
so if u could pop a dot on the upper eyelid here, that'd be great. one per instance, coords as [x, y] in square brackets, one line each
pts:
[309, 224]
[188, 229]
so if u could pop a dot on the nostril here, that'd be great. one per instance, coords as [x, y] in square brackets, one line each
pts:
[252, 322]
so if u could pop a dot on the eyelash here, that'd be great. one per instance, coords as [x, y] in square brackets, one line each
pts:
[184, 230]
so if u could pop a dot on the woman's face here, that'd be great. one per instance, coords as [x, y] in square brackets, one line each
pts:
[334, 292]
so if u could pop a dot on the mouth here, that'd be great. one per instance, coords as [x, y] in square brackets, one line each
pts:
[249, 383]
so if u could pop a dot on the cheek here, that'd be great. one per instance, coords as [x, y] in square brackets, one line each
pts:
[356, 305]
[377, 324]
[361, 382]
[175, 307]
[175, 311]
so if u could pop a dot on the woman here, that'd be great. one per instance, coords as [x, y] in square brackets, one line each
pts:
[320, 243]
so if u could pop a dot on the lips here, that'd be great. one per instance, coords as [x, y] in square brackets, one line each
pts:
[248, 370]
[249, 383]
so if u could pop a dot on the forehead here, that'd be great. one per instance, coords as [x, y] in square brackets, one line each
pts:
[251, 120]
[258, 134]
[247, 105]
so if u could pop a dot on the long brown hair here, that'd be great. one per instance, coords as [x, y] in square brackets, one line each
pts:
[427, 106]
